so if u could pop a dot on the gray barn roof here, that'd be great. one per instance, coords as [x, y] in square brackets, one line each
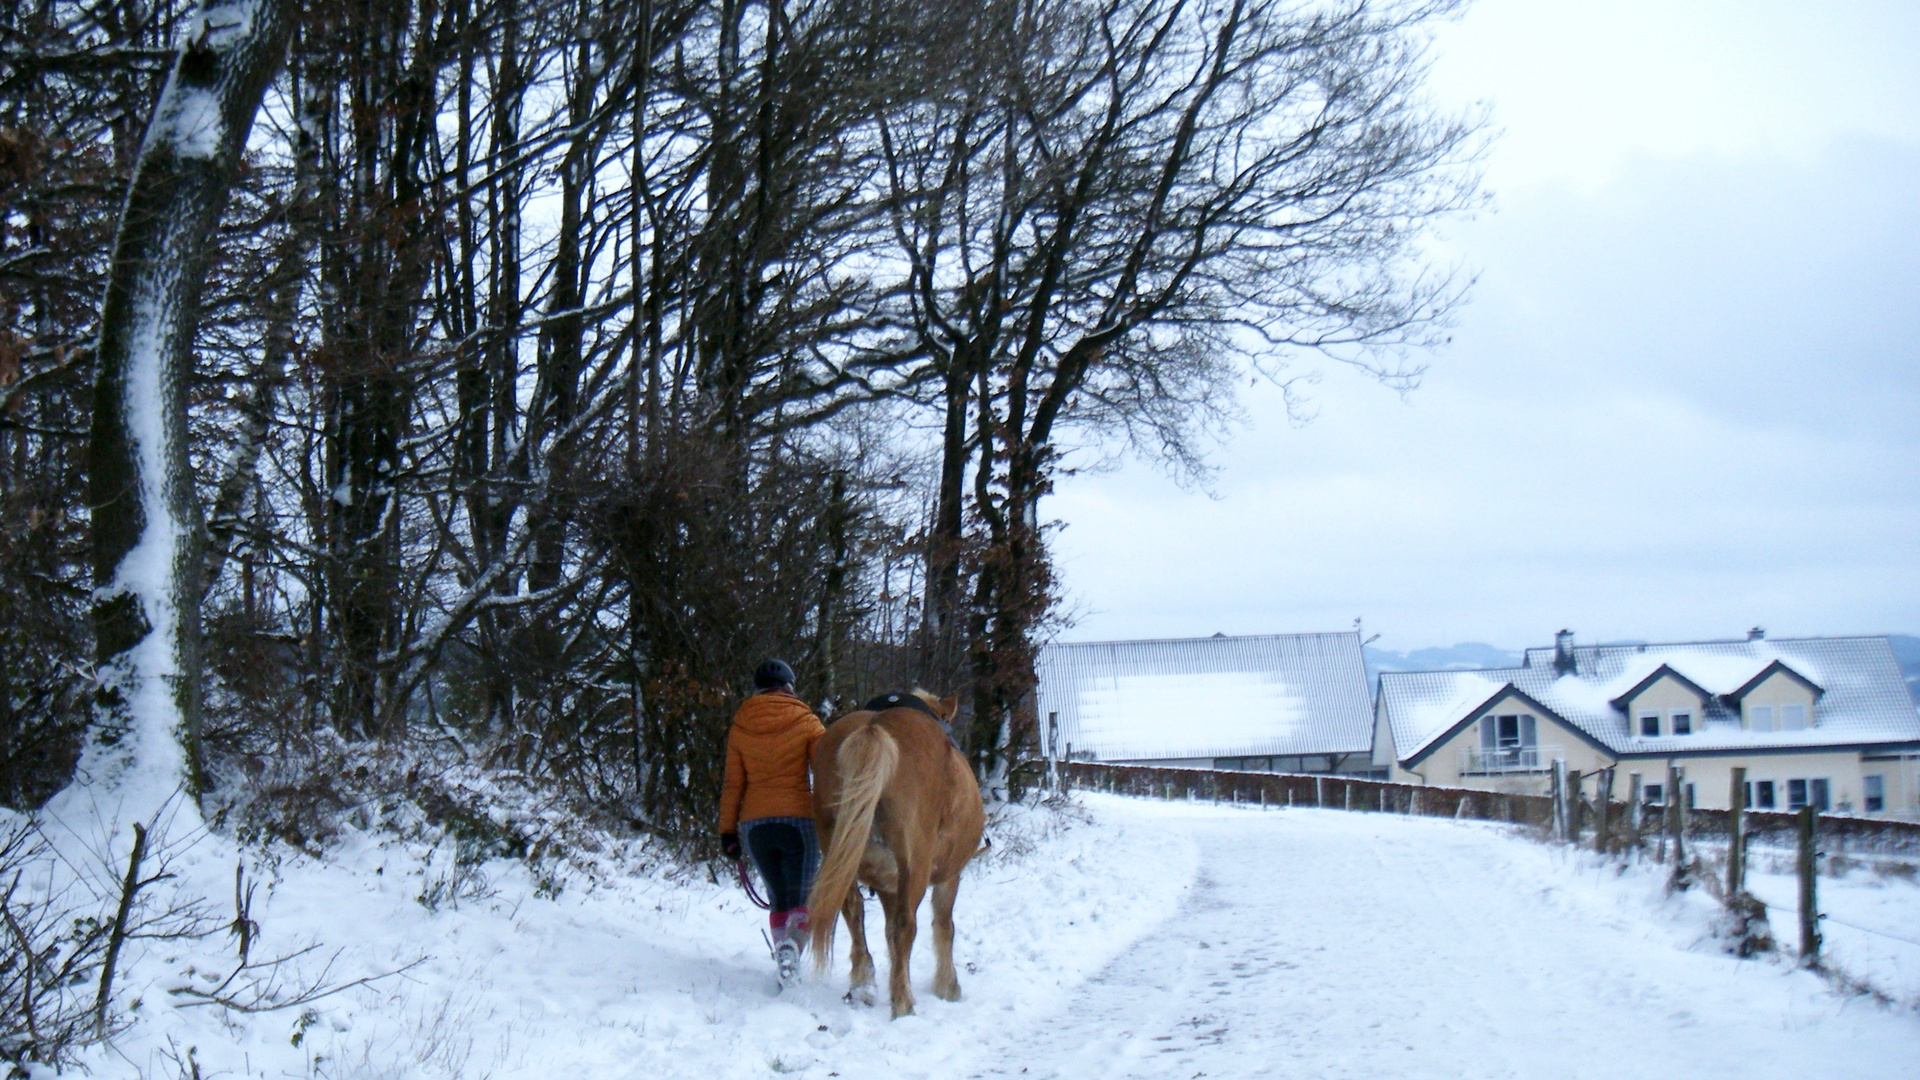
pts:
[1865, 699]
[1280, 694]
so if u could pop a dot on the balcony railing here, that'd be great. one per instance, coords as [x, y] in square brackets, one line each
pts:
[1478, 760]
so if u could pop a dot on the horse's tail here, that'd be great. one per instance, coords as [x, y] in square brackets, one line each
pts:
[865, 762]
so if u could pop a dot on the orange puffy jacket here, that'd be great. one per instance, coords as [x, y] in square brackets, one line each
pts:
[768, 750]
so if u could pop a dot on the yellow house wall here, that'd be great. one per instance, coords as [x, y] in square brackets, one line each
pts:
[1903, 785]
[1442, 767]
[1382, 740]
[1776, 691]
[1712, 775]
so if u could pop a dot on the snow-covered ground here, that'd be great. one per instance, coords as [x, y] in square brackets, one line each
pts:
[1126, 938]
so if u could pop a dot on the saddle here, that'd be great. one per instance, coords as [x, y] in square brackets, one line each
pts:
[908, 701]
[900, 701]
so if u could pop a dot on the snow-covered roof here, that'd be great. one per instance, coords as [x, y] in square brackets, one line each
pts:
[1863, 697]
[1209, 697]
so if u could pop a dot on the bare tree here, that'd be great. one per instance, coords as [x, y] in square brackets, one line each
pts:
[1128, 203]
[76, 85]
[146, 522]
[556, 361]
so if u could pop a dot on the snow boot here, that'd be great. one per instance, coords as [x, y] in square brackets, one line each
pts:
[789, 935]
[786, 956]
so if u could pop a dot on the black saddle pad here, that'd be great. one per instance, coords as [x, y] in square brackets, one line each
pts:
[899, 701]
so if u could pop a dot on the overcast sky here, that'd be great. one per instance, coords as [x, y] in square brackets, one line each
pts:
[1684, 398]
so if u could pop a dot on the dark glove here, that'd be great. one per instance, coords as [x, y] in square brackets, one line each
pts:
[730, 843]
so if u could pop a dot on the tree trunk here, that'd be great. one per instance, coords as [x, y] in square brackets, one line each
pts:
[946, 533]
[146, 518]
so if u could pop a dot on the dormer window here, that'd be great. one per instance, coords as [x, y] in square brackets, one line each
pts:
[1777, 698]
[1665, 702]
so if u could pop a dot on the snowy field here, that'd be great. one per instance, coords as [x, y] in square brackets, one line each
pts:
[1127, 938]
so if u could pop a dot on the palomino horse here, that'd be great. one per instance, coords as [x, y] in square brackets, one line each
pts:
[898, 809]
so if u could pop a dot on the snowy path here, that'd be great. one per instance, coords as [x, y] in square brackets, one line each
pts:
[1322, 944]
[1154, 940]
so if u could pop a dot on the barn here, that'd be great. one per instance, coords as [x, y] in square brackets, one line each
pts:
[1268, 702]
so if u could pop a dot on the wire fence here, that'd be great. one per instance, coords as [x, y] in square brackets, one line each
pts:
[1839, 834]
[1302, 789]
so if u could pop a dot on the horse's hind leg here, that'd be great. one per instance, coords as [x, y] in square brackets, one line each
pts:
[860, 985]
[946, 985]
[901, 905]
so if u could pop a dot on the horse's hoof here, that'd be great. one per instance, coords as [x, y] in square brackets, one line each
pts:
[947, 993]
[860, 995]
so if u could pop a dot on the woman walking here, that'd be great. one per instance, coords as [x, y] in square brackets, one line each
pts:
[768, 796]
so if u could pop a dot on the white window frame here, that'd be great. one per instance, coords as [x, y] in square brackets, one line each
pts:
[1754, 789]
[1673, 721]
[1873, 789]
[1753, 712]
[1780, 711]
[1644, 715]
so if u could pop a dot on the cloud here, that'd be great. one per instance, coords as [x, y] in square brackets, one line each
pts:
[1681, 402]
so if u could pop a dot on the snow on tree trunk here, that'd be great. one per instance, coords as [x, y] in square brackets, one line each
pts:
[142, 745]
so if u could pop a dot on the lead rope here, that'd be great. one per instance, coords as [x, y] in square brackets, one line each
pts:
[746, 882]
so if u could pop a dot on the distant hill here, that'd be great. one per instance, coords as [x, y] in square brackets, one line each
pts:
[1473, 654]
[1469, 655]
[1906, 649]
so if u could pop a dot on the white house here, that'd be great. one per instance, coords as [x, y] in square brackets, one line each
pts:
[1826, 721]
[1275, 702]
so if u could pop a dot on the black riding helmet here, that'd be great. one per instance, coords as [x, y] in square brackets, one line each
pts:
[772, 674]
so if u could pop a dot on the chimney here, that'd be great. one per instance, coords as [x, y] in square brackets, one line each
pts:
[1563, 653]
[1758, 633]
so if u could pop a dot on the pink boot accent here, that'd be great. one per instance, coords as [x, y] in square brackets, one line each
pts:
[778, 921]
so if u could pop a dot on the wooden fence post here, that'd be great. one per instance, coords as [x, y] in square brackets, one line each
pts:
[1736, 840]
[1809, 909]
[1672, 815]
[1635, 812]
[1349, 786]
[1603, 828]
[1319, 791]
[1686, 812]
[1558, 782]
[1576, 806]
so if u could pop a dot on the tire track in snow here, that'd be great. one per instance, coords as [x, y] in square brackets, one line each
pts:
[1322, 944]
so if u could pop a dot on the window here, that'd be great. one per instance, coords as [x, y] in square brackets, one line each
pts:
[1812, 793]
[1760, 717]
[1682, 723]
[1690, 803]
[1793, 717]
[1760, 795]
[1650, 794]
[1509, 740]
[1873, 790]
[1650, 725]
